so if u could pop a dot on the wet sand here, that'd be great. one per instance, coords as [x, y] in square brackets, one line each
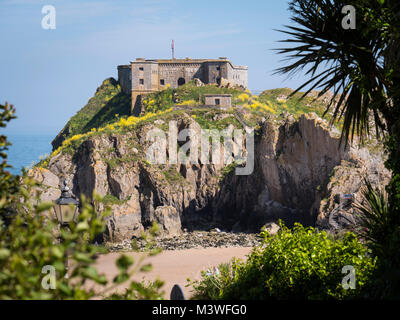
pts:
[175, 266]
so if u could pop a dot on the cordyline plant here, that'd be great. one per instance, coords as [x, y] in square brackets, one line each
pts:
[30, 240]
[361, 67]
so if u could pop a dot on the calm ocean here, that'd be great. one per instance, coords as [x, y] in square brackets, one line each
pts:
[26, 149]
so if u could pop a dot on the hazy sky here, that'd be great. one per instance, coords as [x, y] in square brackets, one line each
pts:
[50, 74]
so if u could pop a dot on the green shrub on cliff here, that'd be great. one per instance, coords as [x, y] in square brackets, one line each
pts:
[159, 101]
[100, 110]
[302, 263]
[281, 101]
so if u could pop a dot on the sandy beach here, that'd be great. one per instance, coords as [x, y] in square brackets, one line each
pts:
[175, 266]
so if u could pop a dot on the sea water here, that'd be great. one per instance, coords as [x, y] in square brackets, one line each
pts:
[27, 149]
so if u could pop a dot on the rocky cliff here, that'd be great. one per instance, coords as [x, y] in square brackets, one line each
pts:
[299, 169]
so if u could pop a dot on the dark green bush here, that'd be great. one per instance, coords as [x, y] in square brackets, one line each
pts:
[302, 263]
[380, 228]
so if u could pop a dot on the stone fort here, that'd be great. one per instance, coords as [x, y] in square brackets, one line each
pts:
[144, 76]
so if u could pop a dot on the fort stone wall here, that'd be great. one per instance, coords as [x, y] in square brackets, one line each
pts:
[145, 76]
[178, 73]
[125, 78]
[238, 75]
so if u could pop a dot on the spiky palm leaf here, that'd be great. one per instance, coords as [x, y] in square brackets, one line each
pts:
[349, 63]
[375, 218]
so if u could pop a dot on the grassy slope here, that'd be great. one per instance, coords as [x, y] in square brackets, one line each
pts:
[98, 112]
[272, 101]
[293, 105]
[188, 94]
[110, 106]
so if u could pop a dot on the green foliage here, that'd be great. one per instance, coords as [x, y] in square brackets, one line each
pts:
[159, 101]
[172, 175]
[227, 170]
[168, 97]
[362, 68]
[212, 286]
[206, 118]
[376, 222]
[8, 182]
[190, 91]
[351, 63]
[31, 241]
[101, 109]
[114, 162]
[295, 104]
[109, 199]
[381, 230]
[302, 263]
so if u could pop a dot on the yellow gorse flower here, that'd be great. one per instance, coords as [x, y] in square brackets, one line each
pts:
[187, 103]
[121, 123]
[260, 106]
[243, 97]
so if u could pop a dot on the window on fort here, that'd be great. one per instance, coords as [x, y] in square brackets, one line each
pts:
[217, 102]
[181, 81]
[162, 82]
[141, 68]
[141, 81]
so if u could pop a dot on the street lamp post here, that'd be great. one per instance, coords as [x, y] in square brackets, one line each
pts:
[66, 211]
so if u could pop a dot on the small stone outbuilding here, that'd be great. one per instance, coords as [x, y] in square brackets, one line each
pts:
[218, 100]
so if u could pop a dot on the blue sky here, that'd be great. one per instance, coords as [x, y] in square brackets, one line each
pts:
[50, 74]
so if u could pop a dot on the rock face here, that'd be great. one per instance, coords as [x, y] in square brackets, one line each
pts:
[334, 212]
[292, 160]
[294, 164]
[50, 182]
[272, 228]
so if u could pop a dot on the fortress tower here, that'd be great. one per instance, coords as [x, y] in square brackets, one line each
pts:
[145, 76]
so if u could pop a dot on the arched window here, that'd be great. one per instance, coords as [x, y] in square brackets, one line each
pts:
[181, 81]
